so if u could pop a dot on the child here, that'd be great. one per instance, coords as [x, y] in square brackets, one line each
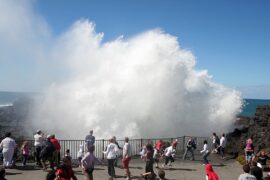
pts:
[158, 152]
[88, 163]
[161, 174]
[205, 152]
[67, 155]
[249, 150]
[169, 154]
[65, 171]
[25, 152]
[80, 154]
[143, 152]
[262, 157]
[210, 174]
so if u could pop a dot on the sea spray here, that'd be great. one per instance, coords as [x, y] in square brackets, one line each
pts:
[145, 86]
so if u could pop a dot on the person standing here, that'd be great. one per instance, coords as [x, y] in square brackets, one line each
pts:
[8, 145]
[222, 145]
[126, 157]
[39, 143]
[90, 140]
[111, 152]
[120, 148]
[25, 152]
[56, 153]
[190, 148]
[46, 154]
[205, 152]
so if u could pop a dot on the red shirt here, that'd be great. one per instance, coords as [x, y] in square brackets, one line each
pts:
[56, 144]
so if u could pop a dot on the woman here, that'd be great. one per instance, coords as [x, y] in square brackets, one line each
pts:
[111, 152]
[8, 145]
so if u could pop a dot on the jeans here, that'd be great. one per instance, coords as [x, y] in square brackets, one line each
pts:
[38, 150]
[222, 149]
[24, 159]
[205, 160]
[186, 152]
[111, 170]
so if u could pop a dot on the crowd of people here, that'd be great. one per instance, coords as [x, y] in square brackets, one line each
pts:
[47, 152]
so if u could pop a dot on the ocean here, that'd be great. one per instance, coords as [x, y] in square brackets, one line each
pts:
[8, 98]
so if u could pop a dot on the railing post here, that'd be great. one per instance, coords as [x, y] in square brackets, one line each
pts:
[141, 143]
[184, 142]
[103, 148]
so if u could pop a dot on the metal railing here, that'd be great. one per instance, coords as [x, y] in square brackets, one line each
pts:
[136, 145]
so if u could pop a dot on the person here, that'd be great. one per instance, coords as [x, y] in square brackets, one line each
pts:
[205, 152]
[222, 145]
[65, 172]
[190, 148]
[88, 163]
[249, 150]
[256, 171]
[149, 159]
[126, 157]
[216, 142]
[39, 143]
[51, 175]
[90, 140]
[210, 173]
[80, 154]
[57, 147]
[246, 174]
[67, 155]
[169, 155]
[111, 152]
[262, 158]
[143, 152]
[161, 174]
[25, 152]
[46, 153]
[8, 145]
[2, 173]
[120, 148]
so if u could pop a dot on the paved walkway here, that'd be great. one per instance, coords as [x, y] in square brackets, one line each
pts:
[181, 170]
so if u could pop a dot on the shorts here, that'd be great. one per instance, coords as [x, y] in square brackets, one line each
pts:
[249, 157]
[125, 162]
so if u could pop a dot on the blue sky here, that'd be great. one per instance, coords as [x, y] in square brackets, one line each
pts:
[229, 38]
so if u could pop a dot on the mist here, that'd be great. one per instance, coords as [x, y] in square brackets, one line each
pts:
[142, 86]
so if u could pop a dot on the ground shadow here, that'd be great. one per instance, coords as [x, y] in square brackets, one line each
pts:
[180, 169]
[11, 173]
[134, 167]
[218, 165]
[99, 169]
[27, 168]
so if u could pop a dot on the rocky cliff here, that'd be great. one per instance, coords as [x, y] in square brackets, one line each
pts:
[256, 127]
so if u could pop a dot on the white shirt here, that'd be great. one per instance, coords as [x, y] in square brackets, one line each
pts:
[8, 144]
[169, 151]
[126, 150]
[111, 151]
[39, 140]
[246, 176]
[222, 142]
[205, 149]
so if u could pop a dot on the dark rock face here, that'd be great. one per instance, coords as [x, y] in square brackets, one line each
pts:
[256, 127]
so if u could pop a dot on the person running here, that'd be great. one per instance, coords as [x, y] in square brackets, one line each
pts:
[90, 140]
[39, 143]
[111, 152]
[126, 157]
[246, 174]
[190, 148]
[46, 154]
[80, 154]
[222, 145]
[8, 145]
[88, 163]
[169, 155]
[25, 152]
[65, 172]
[249, 150]
[56, 153]
[205, 152]
[158, 152]
[216, 143]
[210, 173]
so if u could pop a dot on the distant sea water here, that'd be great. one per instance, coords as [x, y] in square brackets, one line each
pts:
[8, 98]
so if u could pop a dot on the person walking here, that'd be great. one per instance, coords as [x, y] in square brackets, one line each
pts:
[190, 148]
[222, 145]
[111, 153]
[39, 143]
[126, 157]
[90, 140]
[46, 154]
[210, 173]
[8, 145]
[57, 147]
[205, 152]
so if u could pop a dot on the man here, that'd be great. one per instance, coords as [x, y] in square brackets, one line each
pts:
[126, 157]
[246, 175]
[89, 140]
[222, 145]
[46, 153]
[8, 145]
[190, 148]
[39, 143]
[256, 171]
[56, 154]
